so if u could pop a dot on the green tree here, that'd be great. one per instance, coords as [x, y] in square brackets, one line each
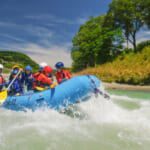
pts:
[127, 15]
[145, 6]
[96, 43]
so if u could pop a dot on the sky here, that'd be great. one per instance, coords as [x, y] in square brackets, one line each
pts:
[43, 29]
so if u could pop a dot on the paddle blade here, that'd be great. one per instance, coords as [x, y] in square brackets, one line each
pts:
[40, 88]
[53, 85]
[3, 96]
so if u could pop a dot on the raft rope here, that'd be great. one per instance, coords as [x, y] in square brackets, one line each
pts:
[96, 90]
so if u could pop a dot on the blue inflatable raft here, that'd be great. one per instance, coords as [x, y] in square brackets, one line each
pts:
[75, 90]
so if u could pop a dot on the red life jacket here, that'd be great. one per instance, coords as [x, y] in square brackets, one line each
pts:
[40, 80]
[64, 74]
[2, 80]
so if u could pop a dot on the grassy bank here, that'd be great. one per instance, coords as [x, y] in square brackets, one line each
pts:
[9, 59]
[132, 68]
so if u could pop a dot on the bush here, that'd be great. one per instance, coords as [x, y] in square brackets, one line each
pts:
[132, 68]
[127, 50]
[142, 45]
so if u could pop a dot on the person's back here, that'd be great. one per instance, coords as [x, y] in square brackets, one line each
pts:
[61, 74]
[2, 80]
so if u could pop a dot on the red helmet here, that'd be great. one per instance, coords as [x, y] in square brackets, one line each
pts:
[47, 69]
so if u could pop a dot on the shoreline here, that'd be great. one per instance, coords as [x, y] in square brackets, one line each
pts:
[126, 87]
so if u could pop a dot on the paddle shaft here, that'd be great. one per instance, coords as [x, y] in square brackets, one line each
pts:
[13, 81]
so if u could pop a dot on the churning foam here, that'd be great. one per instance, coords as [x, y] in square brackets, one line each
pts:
[98, 111]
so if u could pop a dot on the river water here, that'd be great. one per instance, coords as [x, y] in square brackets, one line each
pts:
[122, 123]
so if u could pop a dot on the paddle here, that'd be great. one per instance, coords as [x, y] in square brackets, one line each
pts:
[42, 89]
[3, 94]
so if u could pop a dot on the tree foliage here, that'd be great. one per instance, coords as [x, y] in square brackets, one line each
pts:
[128, 16]
[142, 45]
[97, 42]
[10, 58]
[100, 39]
[145, 4]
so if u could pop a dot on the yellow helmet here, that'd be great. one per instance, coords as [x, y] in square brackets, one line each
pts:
[15, 67]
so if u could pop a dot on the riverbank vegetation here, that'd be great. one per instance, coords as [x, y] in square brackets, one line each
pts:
[132, 68]
[99, 46]
[9, 59]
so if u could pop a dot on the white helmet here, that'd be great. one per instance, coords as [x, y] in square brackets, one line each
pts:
[1, 66]
[42, 65]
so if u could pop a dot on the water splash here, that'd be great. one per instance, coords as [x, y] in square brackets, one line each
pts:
[97, 123]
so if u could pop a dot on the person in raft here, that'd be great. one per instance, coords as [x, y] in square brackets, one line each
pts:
[42, 65]
[28, 78]
[17, 87]
[42, 80]
[2, 80]
[62, 75]
[14, 67]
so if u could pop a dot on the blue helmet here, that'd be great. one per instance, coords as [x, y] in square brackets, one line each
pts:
[15, 71]
[59, 65]
[28, 68]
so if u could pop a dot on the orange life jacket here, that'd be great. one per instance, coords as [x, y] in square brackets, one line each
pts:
[2, 81]
[64, 74]
[40, 80]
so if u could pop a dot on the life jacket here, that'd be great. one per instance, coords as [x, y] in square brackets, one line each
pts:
[36, 81]
[20, 76]
[40, 80]
[28, 80]
[2, 81]
[16, 87]
[64, 74]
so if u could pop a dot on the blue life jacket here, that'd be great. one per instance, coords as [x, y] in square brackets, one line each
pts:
[16, 87]
[28, 81]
